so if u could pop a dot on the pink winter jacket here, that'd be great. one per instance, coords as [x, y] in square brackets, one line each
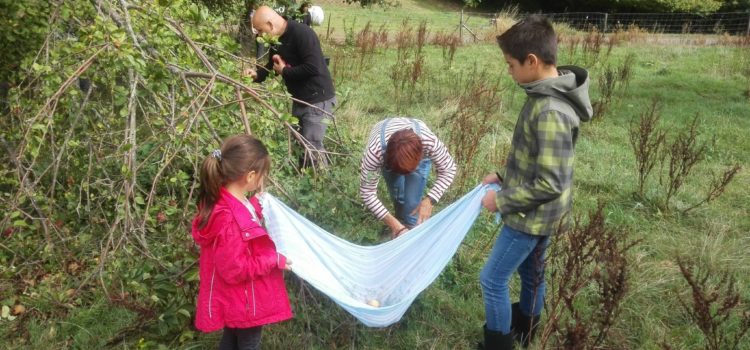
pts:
[241, 281]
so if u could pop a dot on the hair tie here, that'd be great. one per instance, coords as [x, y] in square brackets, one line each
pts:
[216, 154]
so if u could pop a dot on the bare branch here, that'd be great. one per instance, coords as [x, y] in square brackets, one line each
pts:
[243, 113]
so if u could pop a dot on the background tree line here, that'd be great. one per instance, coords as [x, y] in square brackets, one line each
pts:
[700, 6]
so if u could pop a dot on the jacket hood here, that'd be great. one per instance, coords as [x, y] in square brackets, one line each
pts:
[572, 86]
[205, 235]
[228, 210]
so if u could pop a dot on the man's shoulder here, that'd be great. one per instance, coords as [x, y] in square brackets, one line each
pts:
[298, 28]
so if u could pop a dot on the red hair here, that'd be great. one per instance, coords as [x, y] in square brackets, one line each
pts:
[403, 152]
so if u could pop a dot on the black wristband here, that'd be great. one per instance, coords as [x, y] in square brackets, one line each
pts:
[500, 178]
[432, 200]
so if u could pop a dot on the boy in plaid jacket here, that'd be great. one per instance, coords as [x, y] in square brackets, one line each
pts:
[536, 196]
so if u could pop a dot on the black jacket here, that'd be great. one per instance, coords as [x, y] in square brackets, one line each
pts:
[306, 76]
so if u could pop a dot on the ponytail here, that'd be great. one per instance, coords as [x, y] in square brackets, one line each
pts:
[239, 155]
[211, 180]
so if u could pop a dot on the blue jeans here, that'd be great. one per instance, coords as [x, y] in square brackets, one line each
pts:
[406, 191]
[513, 250]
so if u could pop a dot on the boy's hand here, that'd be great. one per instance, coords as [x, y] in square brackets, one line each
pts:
[424, 209]
[488, 201]
[492, 179]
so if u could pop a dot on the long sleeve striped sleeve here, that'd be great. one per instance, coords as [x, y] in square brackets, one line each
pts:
[443, 162]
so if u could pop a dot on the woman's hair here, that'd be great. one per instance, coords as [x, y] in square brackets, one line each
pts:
[403, 152]
[239, 155]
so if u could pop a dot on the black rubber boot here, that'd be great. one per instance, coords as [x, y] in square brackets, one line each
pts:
[496, 340]
[523, 327]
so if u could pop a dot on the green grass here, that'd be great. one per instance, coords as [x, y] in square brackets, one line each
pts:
[690, 81]
[439, 17]
[91, 327]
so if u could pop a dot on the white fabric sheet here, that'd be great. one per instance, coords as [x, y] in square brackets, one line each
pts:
[393, 273]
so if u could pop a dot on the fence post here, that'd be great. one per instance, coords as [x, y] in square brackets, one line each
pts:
[747, 32]
[461, 27]
[606, 16]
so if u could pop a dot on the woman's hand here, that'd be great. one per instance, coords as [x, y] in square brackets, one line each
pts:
[397, 228]
[423, 210]
[400, 232]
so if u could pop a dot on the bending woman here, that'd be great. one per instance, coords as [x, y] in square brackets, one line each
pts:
[403, 150]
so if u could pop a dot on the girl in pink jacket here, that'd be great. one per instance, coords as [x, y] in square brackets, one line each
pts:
[241, 282]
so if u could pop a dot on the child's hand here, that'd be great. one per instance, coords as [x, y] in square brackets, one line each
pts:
[488, 201]
[288, 265]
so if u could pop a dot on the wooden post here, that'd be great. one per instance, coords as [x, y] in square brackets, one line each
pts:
[606, 16]
[461, 27]
[328, 31]
[747, 32]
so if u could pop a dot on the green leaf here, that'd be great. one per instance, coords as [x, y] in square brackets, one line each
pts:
[39, 126]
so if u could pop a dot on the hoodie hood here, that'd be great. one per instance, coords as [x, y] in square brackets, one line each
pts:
[572, 86]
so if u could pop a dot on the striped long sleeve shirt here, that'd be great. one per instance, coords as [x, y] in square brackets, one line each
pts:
[372, 163]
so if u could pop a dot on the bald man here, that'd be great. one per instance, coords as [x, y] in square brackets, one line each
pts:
[299, 60]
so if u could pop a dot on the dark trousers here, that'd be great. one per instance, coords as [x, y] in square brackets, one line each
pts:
[241, 338]
[313, 122]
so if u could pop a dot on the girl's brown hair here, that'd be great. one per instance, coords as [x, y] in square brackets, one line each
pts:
[239, 155]
[403, 152]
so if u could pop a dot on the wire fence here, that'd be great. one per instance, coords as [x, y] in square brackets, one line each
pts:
[482, 26]
[735, 23]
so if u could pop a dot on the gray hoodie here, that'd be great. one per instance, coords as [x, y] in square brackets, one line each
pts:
[572, 86]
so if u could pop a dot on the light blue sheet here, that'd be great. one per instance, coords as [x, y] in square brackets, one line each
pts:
[393, 273]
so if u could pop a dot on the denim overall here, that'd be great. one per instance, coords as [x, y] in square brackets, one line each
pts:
[406, 190]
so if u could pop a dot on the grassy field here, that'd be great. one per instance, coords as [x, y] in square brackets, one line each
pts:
[710, 82]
